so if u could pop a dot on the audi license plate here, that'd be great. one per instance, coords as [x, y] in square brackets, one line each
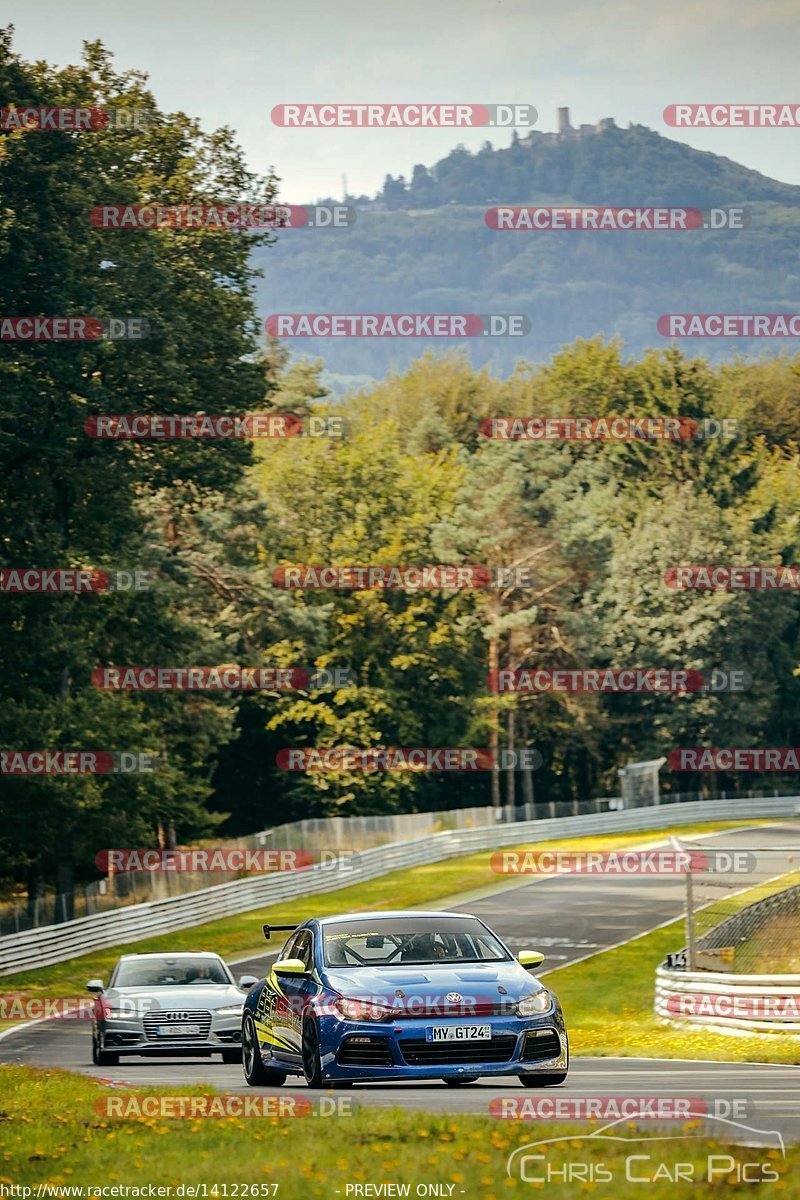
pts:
[458, 1033]
[178, 1030]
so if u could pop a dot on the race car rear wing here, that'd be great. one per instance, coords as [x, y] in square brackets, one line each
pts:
[270, 929]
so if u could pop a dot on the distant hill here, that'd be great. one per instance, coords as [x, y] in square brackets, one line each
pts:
[601, 166]
[422, 245]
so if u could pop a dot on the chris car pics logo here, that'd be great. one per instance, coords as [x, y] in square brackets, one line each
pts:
[740, 1153]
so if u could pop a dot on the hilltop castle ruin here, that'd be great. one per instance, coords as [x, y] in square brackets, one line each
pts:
[565, 131]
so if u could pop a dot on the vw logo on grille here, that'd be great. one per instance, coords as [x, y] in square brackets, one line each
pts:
[454, 997]
[176, 1016]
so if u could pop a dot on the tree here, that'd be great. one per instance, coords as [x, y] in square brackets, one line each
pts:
[68, 500]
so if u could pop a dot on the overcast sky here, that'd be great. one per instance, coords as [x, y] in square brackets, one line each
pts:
[231, 63]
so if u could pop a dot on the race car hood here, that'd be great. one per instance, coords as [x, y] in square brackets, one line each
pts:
[431, 981]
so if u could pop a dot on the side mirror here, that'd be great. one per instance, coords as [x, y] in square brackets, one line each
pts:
[530, 959]
[290, 966]
[96, 986]
[247, 981]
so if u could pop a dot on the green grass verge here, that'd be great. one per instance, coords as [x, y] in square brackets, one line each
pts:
[238, 936]
[608, 1004]
[52, 1134]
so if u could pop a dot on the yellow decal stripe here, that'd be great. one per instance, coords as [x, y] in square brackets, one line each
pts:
[268, 1035]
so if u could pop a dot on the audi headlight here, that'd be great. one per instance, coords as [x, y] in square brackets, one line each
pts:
[535, 1004]
[362, 1010]
[230, 1010]
[120, 1014]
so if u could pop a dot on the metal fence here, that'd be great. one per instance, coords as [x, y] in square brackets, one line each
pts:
[331, 834]
[764, 935]
[736, 920]
[127, 925]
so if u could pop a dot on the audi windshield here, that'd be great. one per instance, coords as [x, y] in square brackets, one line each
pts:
[170, 972]
[389, 942]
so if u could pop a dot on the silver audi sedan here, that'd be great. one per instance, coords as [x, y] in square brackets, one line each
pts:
[165, 1005]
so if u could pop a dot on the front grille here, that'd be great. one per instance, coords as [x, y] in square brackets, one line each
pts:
[418, 1052]
[181, 1016]
[541, 1046]
[364, 1052]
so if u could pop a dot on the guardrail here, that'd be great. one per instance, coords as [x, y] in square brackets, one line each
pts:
[314, 834]
[320, 835]
[729, 1003]
[71, 939]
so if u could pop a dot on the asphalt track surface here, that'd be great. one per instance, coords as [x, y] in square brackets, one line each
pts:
[568, 917]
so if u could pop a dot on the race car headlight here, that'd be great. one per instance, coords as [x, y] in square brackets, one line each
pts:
[230, 1010]
[535, 1004]
[362, 1010]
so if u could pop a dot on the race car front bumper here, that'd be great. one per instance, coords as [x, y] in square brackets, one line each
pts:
[370, 1050]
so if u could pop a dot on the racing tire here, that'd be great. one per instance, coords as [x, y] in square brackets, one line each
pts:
[538, 1081]
[232, 1056]
[457, 1080]
[255, 1073]
[103, 1058]
[312, 1066]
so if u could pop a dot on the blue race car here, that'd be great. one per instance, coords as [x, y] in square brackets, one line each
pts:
[401, 995]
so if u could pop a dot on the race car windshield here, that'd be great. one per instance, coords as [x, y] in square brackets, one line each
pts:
[171, 972]
[389, 942]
